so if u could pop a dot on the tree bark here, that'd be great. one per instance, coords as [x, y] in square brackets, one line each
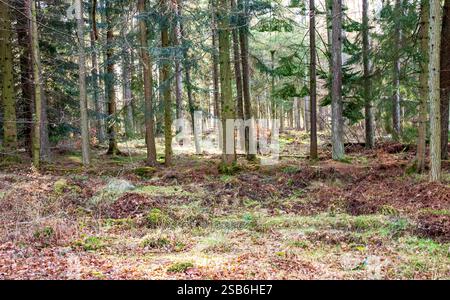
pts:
[396, 107]
[228, 110]
[82, 85]
[215, 59]
[312, 79]
[126, 84]
[110, 80]
[26, 105]
[148, 87]
[248, 115]
[368, 107]
[445, 79]
[337, 119]
[434, 91]
[8, 96]
[423, 80]
[166, 82]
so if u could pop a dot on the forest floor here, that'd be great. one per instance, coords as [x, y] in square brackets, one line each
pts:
[366, 218]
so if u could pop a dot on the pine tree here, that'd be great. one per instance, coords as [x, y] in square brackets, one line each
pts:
[336, 95]
[82, 83]
[6, 67]
[434, 88]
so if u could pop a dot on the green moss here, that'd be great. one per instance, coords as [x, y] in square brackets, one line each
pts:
[156, 242]
[145, 172]
[156, 218]
[180, 267]
[91, 243]
[229, 169]
[59, 186]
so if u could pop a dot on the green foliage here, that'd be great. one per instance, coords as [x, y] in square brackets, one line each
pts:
[157, 218]
[180, 267]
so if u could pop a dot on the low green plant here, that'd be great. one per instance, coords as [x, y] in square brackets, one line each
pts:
[180, 267]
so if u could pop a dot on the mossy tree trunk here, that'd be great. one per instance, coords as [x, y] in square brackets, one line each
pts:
[6, 67]
[228, 107]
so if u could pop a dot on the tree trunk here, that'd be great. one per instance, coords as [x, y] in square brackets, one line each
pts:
[26, 73]
[148, 87]
[178, 71]
[434, 91]
[39, 116]
[312, 79]
[215, 59]
[423, 80]
[127, 94]
[8, 96]
[99, 98]
[110, 81]
[337, 119]
[368, 107]
[228, 110]
[445, 79]
[248, 115]
[82, 85]
[166, 83]
[396, 108]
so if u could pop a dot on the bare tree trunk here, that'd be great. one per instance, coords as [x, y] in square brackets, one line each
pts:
[228, 110]
[127, 94]
[423, 119]
[396, 107]
[26, 106]
[215, 58]
[148, 87]
[112, 110]
[6, 68]
[368, 107]
[178, 71]
[445, 79]
[337, 119]
[434, 85]
[166, 85]
[312, 79]
[38, 90]
[243, 38]
[82, 85]
[99, 98]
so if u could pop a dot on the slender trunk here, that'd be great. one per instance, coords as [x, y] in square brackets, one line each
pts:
[38, 91]
[110, 80]
[127, 94]
[237, 66]
[148, 86]
[166, 83]
[228, 110]
[82, 85]
[99, 99]
[368, 107]
[6, 67]
[248, 115]
[312, 79]
[434, 85]
[396, 107]
[238, 76]
[215, 59]
[178, 70]
[337, 119]
[445, 79]
[423, 119]
[26, 73]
